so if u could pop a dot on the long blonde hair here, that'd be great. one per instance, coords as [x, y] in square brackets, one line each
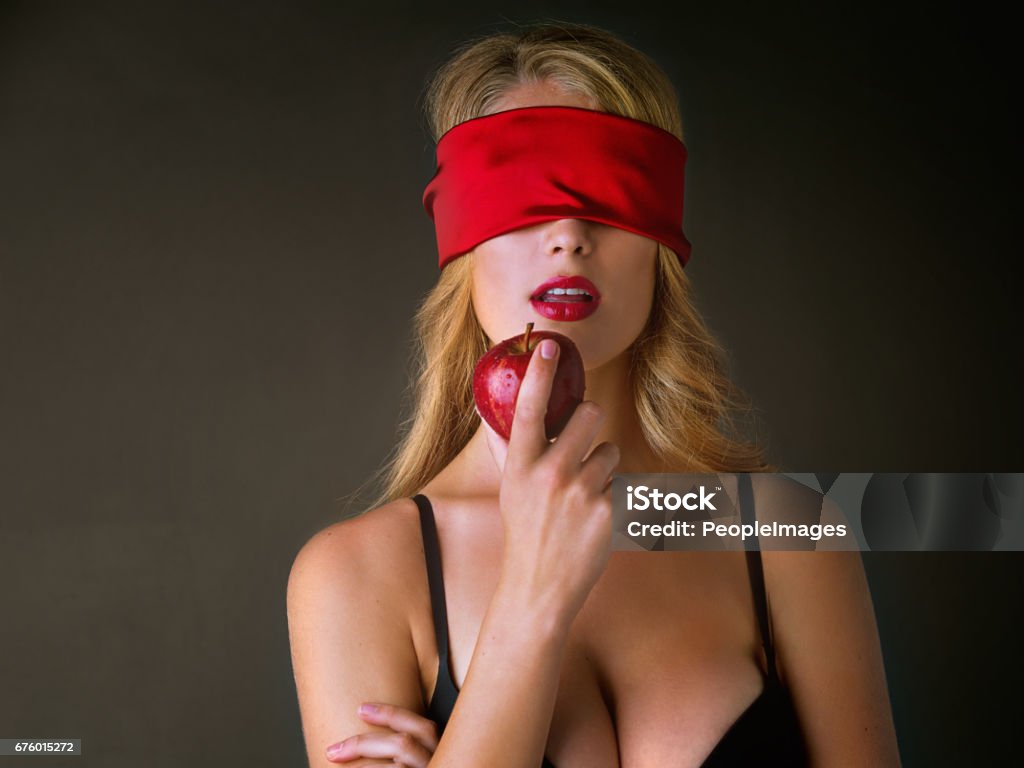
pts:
[685, 401]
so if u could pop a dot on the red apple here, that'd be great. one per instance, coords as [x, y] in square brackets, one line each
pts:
[501, 370]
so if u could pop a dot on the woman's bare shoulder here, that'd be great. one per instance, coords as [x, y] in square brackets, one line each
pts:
[371, 529]
[350, 596]
[785, 500]
[830, 653]
[366, 553]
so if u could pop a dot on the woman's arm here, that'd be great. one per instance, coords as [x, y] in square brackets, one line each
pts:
[555, 503]
[830, 656]
[351, 643]
[349, 630]
[350, 634]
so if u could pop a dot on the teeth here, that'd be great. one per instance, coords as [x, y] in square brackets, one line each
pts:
[567, 292]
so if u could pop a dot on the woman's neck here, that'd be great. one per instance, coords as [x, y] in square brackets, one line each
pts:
[474, 471]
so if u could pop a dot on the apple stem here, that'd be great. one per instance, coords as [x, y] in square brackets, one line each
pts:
[526, 338]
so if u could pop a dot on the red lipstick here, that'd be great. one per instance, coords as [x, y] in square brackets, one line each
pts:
[566, 299]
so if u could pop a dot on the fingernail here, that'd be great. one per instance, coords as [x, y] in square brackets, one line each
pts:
[368, 709]
[335, 750]
[548, 349]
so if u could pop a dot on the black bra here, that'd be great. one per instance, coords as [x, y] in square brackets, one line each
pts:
[767, 733]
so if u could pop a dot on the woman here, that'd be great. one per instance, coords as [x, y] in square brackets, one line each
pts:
[535, 644]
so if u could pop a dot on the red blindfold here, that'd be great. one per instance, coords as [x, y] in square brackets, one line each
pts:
[524, 166]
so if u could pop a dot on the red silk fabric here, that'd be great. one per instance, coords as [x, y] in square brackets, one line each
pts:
[523, 166]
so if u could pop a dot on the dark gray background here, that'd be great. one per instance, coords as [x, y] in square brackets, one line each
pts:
[211, 246]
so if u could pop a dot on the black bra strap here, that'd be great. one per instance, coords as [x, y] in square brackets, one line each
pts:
[445, 692]
[756, 572]
[432, 550]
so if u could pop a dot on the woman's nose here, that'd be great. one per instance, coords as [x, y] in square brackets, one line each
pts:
[568, 236]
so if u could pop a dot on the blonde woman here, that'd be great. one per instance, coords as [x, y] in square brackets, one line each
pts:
[476, 615]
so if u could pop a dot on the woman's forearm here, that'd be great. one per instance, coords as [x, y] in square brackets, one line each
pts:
[555, 504]
[503, 713]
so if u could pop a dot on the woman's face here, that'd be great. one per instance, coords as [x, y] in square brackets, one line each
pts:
[510, 270]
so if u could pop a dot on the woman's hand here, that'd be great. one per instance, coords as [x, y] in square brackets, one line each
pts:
[411, 743]
[555, 498]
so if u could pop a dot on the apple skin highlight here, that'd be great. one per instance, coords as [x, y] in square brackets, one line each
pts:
[500, 371]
